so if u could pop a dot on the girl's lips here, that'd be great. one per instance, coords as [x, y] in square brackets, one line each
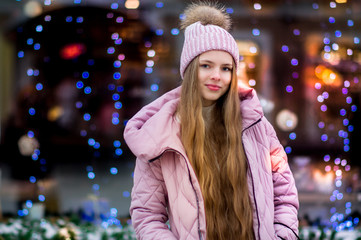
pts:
[212, 87]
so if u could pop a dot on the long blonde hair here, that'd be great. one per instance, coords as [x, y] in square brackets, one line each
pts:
[217, 156]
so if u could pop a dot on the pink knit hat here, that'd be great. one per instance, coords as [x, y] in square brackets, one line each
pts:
[201, 38]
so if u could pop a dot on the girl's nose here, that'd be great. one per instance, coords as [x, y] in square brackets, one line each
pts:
[216, 75]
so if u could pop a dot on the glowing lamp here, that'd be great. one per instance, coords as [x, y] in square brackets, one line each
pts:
[72, 51]
[286, 120]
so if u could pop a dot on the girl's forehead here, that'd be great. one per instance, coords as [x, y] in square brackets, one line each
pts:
[217, 56]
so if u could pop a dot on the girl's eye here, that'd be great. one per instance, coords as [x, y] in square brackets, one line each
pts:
[204, 65]
[227, 69]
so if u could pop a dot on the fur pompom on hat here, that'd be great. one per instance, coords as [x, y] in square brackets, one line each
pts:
[206, 28]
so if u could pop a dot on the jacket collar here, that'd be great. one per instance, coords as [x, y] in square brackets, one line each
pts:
[154, 128]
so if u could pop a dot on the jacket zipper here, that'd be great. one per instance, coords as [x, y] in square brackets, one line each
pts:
[250, 171]
[190, 180]
[195, 192]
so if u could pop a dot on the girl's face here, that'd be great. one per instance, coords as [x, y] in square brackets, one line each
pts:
[214, 75]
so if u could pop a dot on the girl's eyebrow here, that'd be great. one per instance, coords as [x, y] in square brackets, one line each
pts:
[209, 61]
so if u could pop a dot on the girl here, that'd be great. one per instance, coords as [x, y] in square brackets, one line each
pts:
[208, 161]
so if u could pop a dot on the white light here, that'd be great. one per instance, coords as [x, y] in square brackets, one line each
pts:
[253, 50]
[335, 46]
[286, 120]
[349, 52]
[257, 6]
[252, 82]
[320, 98]
[150, 63]
[33, 9]
[151, 53]
[132, 4]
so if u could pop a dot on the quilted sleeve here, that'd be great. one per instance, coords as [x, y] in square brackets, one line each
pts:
[285, 193]
[148, 206]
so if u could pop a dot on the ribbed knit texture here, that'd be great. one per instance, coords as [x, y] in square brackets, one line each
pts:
[202, 38]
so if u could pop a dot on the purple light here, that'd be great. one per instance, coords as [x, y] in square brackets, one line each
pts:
[338, 33]
[324, 137]
[85, 75]
[345, 122]
[344, 91]
[110, 50]
[117, 143]
[289, 88]
[148, 70]
[111, 87]
[118, 105]
[148, 44]
[292, 136]
[39, 86]
[32, 111]
[342, 112]
[229, 10]
[331, 19]
[20, 54]
[114, 6]
[256, 32]
[79, 84]
[318, 86]
[91, 175]
[83, 133]
[294, 62]
[349, 100]
[321, 124]
[356, 40]
[159, 4]
[87, 117]
[296, 32]
[295, 75]
[353, 108]
[78, 104]
[174, 31]
[325, 95]
[69, 19]
[41, 198]
[154, 87]
[285, 48]
[288, 150]
[118, 151]
[323, 108]
[159, 32]
[87, 90]
[117, 75]
[32, 179]
[116, 96]
[113, 170]
[326, 40]
[117, 64]
[118, 41]
[119, 19]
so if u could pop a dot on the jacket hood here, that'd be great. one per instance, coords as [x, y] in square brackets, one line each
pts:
[154, 129]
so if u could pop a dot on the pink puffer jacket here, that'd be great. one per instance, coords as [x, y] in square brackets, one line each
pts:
[166, 187]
